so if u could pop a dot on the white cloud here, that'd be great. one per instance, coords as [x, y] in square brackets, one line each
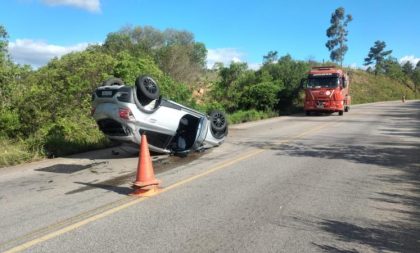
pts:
[223, 55]
[38, 53]
[90, 5]
[353, 66]
[356, 66]
[254, 66]
[410, 58]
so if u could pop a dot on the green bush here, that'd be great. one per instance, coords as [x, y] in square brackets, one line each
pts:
[9, 123]
[208, 107]
[129, 67]
[250, 115]
[67, 136]
[261, 96]
[176, 91]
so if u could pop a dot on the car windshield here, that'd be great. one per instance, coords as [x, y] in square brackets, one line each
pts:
[322, 82]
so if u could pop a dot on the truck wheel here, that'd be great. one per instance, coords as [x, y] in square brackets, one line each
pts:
[307, 113]
[341, 113]
[347, 108]
[147, 89]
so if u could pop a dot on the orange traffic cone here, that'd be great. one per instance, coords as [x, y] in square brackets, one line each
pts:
[146, 184]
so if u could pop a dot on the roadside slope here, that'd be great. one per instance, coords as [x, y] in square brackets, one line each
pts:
[368, 88]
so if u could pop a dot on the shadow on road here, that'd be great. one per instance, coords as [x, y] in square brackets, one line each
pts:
[401, 236]
[334, 249]
[382, 237]
[400, 156]
[394, 147]
[109, 187]
[115, 184]
[69, 168]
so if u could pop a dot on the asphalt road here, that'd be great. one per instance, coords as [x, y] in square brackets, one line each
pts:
[289, 184]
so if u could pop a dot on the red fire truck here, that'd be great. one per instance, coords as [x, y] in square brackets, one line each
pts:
[326, 91]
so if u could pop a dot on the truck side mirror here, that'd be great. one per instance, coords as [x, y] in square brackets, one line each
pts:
[344, 82]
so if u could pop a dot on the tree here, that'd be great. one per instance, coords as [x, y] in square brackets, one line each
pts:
[337, 33]
[3, 42]
[180, 62]
[377, 55]
[233, 80]
[272, 56]
[129, 67]
[393, 69]
[117, 42]
[175, 37]
[416, 79]
[408, 68]
[198, 54]
[174, 51]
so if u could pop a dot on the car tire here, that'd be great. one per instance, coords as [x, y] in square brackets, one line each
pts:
[113, 81]
[347, 108]
[147, 89]
[341, 113]
[307, 113]
[218, 121]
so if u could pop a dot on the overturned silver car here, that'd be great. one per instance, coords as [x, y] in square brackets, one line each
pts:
[124, 113]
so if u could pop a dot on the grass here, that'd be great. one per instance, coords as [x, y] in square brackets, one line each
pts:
[368, 88]
[15, 152]
[250, 115]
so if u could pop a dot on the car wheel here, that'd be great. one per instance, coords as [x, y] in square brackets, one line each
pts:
[113, 81]
[341, 113]
[307, 113]
[347, 108]
[147, 89]
[218, 121]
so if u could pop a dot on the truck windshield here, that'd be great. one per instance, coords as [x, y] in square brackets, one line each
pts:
[322, 82]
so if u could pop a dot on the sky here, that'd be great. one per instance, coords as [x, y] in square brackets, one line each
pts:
[232, 30]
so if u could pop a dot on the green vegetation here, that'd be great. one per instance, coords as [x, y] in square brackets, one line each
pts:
[46, 112]
[274, 87]
[249, 115]
[15, 152]
[368, 88]
[377, 55]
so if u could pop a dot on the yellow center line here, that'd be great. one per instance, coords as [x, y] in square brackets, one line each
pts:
[113, 210]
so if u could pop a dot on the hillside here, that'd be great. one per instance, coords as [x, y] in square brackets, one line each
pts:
[368, 88]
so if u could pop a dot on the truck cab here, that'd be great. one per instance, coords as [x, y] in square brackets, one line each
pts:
[326, 91]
